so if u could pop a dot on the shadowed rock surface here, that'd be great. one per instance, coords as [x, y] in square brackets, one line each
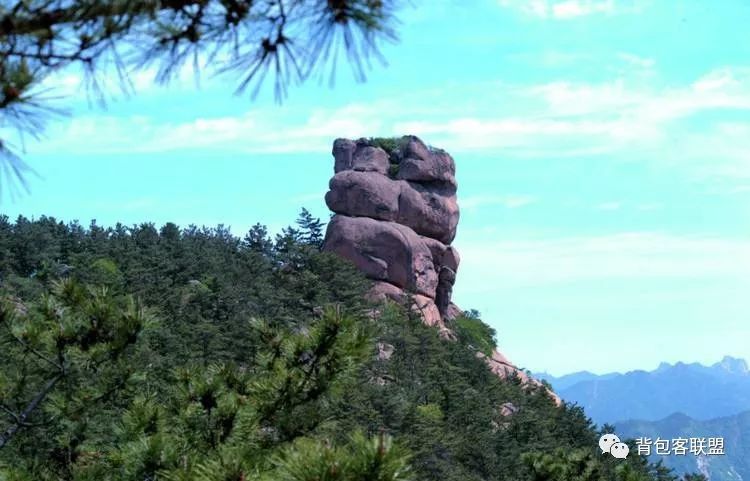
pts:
[396, 214]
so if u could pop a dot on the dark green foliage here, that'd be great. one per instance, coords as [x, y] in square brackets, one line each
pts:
[228, 421]
[393, 147]
[389, 144]
[221, 422]
[65, 358]
[695, 477]
[588, 464]
[446, 407]
[362, 459]
[204, 283]
[290, 38]
[212, 392]
[474, 333]
[311, 229]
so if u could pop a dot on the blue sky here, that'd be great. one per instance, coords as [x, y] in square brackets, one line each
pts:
[602, 149]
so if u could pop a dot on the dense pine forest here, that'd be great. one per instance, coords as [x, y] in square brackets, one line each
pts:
[168, 353]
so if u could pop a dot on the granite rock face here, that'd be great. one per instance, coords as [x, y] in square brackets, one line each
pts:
[384, 251]
[396, 215]
[429, 210]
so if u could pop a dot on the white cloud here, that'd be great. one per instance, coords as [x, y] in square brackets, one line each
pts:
[555, 120]
[72, 83]
[650, 206]
[257, 131]
[636, 60]
[722, 88]
[507, 201]
[609, 205]
[580, 8]
[618, 118]
[569, 9]
[630, 255]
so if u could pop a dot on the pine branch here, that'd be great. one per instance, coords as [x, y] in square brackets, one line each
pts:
[252, 37]
[38, 354]
[21, 418]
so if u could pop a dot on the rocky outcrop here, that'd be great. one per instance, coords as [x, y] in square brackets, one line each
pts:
[415, 187]
[396, 214]
[384, 251]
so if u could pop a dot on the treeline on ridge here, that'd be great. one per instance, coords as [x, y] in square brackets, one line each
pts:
[145, 353]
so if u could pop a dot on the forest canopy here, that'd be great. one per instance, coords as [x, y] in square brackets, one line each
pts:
[144, 353]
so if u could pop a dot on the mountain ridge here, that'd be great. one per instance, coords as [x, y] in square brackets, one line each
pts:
[702, 392]
[734, 430]
[679, 400]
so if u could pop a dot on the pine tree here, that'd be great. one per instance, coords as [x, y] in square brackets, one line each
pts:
[256, 401]
[290, 38]
[311, 228]
[62, 359]
[257, 240]
[228, 422]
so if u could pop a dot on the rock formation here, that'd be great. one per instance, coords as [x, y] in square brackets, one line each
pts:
[396, 214]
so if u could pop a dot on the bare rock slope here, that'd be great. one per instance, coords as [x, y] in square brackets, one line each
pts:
[396, 214]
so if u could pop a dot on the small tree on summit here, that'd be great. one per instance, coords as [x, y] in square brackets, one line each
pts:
[311, 228]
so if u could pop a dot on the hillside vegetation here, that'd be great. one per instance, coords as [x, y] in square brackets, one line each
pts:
[145, 353]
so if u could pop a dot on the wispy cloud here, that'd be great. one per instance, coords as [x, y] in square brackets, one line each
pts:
[257, 131]
[636, 60]
[554, 120]
[623, 256]
[615, 205]
[71, 83]
[569, 9]
[650, 206]
[507, 201]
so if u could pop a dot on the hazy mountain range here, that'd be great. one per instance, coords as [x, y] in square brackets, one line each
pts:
[673, 401]
[733, 466]
[698, 391]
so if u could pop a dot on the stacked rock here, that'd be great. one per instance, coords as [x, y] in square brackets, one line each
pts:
[396, 216]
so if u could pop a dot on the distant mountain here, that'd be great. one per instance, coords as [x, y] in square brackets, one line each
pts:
[733, 466]
[564, 382]
[701, 392]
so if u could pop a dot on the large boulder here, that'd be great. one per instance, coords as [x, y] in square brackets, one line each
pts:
[385, 291]
[503, 368]
[445, 259]
[371, 159]
[384, 251]
[364, 194]
[428, 210]
[343, 153]
[396, 216]
[427, 308]
[423, 164]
